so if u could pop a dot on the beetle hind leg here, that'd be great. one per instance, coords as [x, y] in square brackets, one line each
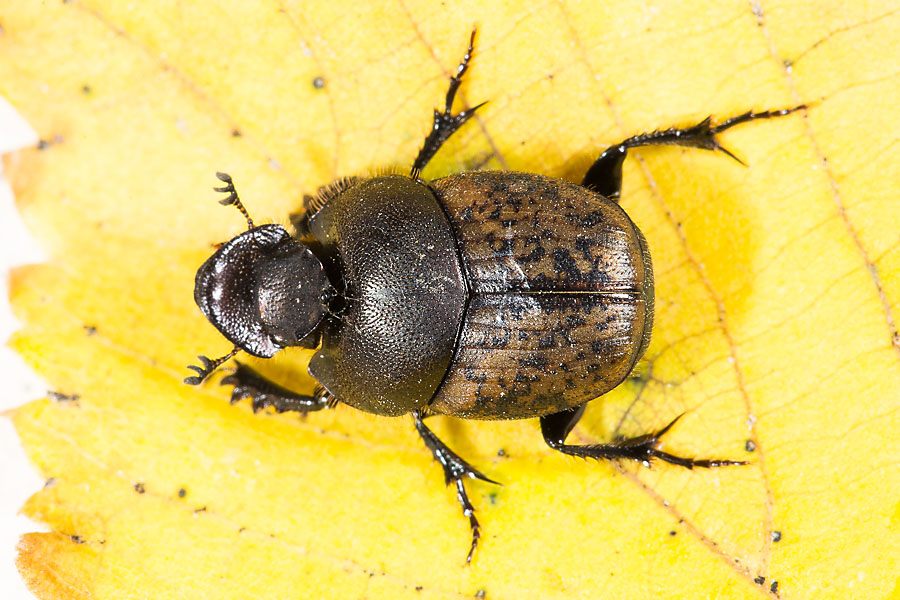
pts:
[455, 468]
[643, 448]
[605, 175]
[264, 393]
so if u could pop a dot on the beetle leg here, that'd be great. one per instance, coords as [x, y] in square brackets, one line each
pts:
[446, 123]
[455, 468]
[643, 448]
[605, 175]
[263, 393]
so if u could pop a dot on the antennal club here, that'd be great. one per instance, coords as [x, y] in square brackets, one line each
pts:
[208, 367]
[232, 197]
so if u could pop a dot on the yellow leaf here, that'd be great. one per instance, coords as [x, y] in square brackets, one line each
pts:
[777, 294]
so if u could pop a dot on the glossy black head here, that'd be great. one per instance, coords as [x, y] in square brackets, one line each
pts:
[264, 291]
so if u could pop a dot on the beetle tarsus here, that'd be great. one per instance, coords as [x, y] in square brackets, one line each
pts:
[605, 175]
[643, 448]
[446, 123]
[455, 468]
[264, 393]
[468, 511]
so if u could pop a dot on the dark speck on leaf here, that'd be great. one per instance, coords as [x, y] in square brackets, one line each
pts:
[481, 594]
[750, 446]
[774, 587]
[759, 580]
[139, 487]
[236, 133]
[86, 89]
[319, 83]
[182, 492]
[60, 397]
[43, 145]
[776, 536]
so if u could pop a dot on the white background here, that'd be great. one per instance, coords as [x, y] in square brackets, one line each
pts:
[18, 384]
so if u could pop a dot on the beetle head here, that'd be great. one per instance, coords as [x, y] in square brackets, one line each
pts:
[264, 291]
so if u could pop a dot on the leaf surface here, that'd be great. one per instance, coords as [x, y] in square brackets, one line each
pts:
[777, 299]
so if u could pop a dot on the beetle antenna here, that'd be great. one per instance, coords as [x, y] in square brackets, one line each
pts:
[232, 197]
[208, 367]
[324, 396]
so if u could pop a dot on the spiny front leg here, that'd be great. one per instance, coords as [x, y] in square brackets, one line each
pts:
[455, 468]
[643, 448]
[264, 393]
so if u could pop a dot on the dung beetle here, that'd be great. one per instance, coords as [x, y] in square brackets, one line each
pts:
[482, 295]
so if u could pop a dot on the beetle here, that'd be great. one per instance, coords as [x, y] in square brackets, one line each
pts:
[482, 295]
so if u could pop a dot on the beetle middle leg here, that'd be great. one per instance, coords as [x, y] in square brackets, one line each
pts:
[643, 448]
[266, 393]
[446, 123]
[455, 468]
[605, 175]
